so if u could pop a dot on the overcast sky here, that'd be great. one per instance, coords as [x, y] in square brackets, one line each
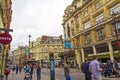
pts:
[36, 17]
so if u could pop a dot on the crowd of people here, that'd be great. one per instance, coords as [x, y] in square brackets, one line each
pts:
[93, 70]
[27, 69]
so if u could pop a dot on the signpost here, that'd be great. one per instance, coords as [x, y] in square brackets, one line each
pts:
[5, 38]
[52, 67]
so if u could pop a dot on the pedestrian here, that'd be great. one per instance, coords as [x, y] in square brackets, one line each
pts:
[85, 69]
[38, 72]
[27, 72]
[20, 68]
[7, 72]
[67, 70]
[27, 69]
[77, 66]
[17, 68]
[13, 69]
[31, 71]
[95, 69]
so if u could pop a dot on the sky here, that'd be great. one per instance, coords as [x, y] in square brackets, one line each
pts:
[37, 18]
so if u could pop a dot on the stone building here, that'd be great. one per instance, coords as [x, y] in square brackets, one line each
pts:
[91, 27]
[41, 48]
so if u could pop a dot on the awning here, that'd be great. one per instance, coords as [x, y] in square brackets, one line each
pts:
[101, 45]
[71, 52]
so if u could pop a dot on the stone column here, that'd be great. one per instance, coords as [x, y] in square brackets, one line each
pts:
[94, 50]
[110, 51]
[78, 59]
[83, 57]
[65, 59]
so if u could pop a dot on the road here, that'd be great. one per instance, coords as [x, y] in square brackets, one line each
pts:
[59, 75]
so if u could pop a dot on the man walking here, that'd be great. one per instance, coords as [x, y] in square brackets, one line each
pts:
[85, 70]
[67, 71]
[95, 69]
[38, 72]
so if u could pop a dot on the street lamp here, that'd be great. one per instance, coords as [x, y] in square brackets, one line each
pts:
[29, 45]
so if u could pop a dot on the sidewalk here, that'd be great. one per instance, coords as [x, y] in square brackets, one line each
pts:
[103, 78]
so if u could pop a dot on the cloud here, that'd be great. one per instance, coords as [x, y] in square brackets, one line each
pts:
[36, 17]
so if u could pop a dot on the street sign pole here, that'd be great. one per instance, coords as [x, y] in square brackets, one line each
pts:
[4, 57]
[52, 66]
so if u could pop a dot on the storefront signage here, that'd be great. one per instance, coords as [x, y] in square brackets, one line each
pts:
[5, 38]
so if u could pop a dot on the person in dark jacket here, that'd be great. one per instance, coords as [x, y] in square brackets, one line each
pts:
[17, 68]
[85, 69]
[38, 72]
[67, 70]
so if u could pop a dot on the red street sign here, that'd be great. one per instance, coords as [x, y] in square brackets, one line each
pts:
[5, 38]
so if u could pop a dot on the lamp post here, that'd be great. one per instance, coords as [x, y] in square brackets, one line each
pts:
[29, 45]
[116, 33]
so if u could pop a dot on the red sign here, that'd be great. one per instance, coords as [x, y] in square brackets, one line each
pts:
[5, 38]
[119, 45]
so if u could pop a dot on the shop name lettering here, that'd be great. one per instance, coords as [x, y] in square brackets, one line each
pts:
[5, 38]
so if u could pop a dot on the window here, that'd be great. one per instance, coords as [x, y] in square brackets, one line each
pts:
[60, 49]
[55, 56]
[45, 57]
[99, 18]
[72, 31]
[45, 49]
[117, 27]
[87, 25]
[55, 49]
[75, 7]
[85, 13]
[115, 9]
[100, 34]
[68, 30]
[97, 5]
[87, 39]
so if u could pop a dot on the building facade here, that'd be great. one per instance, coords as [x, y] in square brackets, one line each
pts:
[41, 48]
[91, 27]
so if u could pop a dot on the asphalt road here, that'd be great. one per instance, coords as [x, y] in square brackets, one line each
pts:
[59, 75]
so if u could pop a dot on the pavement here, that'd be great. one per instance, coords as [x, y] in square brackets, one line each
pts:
[59, 75]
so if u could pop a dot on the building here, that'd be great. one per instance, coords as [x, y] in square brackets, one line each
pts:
[41, 48]
[90, 28]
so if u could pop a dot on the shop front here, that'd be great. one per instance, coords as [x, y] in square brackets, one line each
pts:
[69, 56]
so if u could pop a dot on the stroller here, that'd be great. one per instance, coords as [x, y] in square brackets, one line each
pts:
[27, 76]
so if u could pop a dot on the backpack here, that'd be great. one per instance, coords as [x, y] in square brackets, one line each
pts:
[7, 71]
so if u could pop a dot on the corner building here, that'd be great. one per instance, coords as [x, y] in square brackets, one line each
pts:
[90, 26]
